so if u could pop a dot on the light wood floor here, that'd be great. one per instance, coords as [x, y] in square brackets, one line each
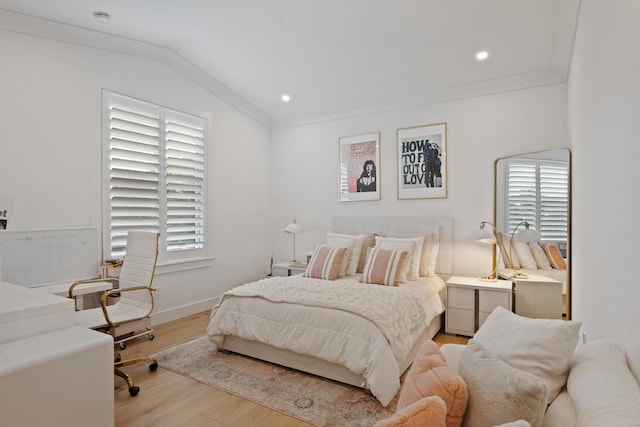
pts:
[169, 399]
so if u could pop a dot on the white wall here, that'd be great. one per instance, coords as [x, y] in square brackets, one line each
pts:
[50, 160]
[305, 165]
[604, 123]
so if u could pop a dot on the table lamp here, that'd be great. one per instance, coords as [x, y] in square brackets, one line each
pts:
[484, 235]
[293, 229]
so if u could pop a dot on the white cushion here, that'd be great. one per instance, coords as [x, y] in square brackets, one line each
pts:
[542, 347]
[510, 257]
[429, 253]
[540, 256]
[412, 245]
[353, 244]
[498, 392]
[525, 256]
[602, 388]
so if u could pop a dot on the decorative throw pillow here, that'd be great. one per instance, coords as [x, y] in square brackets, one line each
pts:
[430, 375]
[555, 257]
[354, 247]
[542, 347]
[602, 387]
[504, 242]
[368, 241]
[325, 263]
[383, 267]
[430, 411]
[541, 258]
[498, 392]
[525, 256]
[412, 245]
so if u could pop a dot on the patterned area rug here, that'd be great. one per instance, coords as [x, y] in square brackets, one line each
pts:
[307, 397]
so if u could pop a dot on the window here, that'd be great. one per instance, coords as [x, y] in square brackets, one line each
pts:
[154, 175]
[538, 192]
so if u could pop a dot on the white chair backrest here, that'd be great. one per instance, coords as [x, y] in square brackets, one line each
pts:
[140, 260]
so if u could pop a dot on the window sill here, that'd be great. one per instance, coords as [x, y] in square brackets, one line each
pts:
[183, 265]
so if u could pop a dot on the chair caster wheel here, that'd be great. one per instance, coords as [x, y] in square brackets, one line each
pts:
[151, 336]
[122, 346]
[153, 367]
[133, 391]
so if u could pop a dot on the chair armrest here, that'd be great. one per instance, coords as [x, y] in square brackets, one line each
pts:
[90, 286]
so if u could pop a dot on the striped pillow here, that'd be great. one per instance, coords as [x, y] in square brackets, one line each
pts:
[384, 266]
[325, 263]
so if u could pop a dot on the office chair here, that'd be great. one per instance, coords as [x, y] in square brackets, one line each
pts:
[129, 317]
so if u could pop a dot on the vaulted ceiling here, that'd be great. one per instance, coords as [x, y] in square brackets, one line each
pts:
[337, 58]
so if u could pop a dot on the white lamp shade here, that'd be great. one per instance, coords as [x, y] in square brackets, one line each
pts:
[482, 234]
[293, 228]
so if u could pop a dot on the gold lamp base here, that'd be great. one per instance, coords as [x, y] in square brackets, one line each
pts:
[488, 279]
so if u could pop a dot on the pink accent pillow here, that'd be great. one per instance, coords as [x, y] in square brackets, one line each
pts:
[430, 375]
[384, 266]
[555, 257]
[430, 411]
[325, 263]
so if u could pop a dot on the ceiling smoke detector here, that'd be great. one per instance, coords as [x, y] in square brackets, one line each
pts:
[101, 17]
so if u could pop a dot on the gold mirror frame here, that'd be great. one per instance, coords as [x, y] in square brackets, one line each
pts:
[496, 208]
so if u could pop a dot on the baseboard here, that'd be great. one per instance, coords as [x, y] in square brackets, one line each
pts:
[175, 313]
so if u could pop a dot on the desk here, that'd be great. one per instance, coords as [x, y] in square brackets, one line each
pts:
[51, 371]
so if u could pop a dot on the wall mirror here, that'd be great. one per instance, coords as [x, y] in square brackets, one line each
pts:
[536, 188]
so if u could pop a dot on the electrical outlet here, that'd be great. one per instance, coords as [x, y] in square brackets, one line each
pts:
[157, 294]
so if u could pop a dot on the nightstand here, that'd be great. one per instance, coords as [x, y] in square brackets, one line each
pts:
[471, 300]
[287, 268]
[537, 296]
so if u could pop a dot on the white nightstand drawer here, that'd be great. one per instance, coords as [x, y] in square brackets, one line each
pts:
[489, 300]
[460, 321]
[461, 298]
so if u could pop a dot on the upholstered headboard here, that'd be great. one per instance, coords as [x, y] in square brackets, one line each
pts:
[439, 226]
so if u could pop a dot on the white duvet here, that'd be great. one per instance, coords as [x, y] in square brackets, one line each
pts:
[369, 329]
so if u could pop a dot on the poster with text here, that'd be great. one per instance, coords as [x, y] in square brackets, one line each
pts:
[422, 162]
[360, 167]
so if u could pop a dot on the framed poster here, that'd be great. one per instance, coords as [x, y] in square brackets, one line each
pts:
[422, 162]
[360, 167]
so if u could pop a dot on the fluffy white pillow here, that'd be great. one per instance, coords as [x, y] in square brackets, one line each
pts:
[429, 253]
[354, 247]
[541, 258]
[525, 256]
[602, 388]
[542, 347]
[498, 392]
[412, 245]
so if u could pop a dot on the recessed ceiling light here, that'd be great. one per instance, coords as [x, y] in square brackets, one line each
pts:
[482, 55]
[285, 98]
[101, 17]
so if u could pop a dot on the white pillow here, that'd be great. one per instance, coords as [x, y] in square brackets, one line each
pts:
[541, 258]
[602, 387]
[542, 347]
[412, 245]
[525, 256]
[429, 253]
[498, 392]
[354, 247]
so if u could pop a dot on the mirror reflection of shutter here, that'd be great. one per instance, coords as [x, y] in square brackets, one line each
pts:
[522, 191]
[554, 200]
[184, 154]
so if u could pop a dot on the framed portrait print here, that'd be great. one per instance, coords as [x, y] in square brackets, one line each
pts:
[360, 167]
[422, 162]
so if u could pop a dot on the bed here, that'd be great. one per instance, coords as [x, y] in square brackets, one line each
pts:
[358, 333]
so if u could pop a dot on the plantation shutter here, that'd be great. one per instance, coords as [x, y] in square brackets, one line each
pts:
[184, 136]
[522, 193]
[155, 175]
[538, 192]
[554, 200]
[134, 172]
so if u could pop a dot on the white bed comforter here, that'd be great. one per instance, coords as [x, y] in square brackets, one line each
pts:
[369, 329]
